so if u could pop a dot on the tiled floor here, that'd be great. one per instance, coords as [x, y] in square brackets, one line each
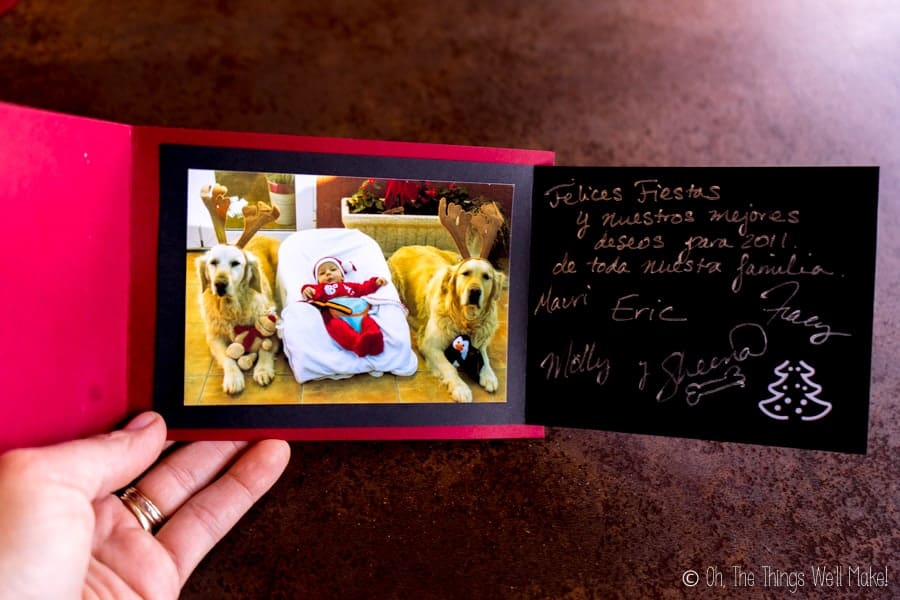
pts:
[202, 381]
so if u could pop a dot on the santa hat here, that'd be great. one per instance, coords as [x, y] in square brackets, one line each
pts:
[345, 269]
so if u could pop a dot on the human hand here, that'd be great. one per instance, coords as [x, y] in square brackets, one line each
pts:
[63, 534]
[381, 281]
[309, 293]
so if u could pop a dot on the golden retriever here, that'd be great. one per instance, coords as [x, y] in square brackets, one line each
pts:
[236, 287]
[447, 297]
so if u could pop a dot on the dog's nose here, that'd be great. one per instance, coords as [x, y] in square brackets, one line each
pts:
[475, 296]
[221, 288]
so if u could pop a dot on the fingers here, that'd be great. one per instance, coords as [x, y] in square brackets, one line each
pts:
[204, 519]
[185, 472]
[104, 463]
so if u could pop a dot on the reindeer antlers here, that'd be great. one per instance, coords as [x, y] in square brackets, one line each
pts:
[217, 204]
[487, 224]
[255, 217]
[457, 222]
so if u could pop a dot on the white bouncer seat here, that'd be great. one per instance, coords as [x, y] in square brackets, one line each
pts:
[310, 350]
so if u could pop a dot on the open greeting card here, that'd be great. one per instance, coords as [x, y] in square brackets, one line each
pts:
[249, 286]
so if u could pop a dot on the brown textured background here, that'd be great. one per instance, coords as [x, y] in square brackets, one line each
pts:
[580, 514]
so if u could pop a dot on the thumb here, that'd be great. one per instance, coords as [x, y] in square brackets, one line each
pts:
[104, 463]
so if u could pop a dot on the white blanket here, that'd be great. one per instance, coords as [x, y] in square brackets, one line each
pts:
[312, 353]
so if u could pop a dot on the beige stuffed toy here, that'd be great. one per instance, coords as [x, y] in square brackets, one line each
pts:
[249, 339]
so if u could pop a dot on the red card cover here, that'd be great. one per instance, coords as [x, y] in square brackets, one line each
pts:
[83, 196]
[5, 5]
[66, 185]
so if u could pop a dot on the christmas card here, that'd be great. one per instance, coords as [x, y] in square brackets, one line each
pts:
[249, 285]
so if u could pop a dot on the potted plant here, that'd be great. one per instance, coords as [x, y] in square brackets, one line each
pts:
[282, 194]
[402, 213]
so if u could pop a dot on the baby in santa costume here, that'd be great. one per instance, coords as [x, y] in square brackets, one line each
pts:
[344, 310]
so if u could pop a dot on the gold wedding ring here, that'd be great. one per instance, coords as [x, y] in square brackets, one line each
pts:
[148, 515]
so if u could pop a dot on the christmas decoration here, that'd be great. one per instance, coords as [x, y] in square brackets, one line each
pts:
[795, 396]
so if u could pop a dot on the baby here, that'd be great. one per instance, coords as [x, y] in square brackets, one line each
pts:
[344, 311]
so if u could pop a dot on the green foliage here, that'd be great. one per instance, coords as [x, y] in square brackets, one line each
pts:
[409, 197]
[280, 178]
[369, 198]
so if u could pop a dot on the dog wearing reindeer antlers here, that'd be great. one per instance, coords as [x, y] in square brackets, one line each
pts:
[236, 291]
[451, 295]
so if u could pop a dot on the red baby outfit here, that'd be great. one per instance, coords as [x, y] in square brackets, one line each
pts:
[365, 342]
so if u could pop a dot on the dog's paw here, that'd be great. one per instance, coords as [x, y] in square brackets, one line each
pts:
[461, 393]
[488, 379]
[264, 374]
[233, 381]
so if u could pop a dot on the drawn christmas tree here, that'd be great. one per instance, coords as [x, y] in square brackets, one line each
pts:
[795, 395]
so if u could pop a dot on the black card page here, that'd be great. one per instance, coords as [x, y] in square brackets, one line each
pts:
[730, 304]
